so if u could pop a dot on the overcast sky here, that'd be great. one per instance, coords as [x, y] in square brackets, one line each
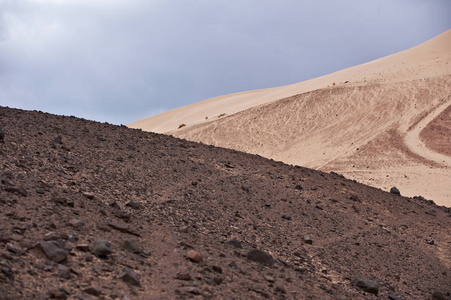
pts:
[119, 61]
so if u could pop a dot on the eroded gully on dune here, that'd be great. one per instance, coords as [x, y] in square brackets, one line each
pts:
[416, 145]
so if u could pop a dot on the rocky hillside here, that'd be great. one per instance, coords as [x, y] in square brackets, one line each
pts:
[91, 210]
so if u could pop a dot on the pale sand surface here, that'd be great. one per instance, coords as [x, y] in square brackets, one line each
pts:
[367, 128]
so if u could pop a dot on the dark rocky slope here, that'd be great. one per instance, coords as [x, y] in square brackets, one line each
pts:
[91, 210]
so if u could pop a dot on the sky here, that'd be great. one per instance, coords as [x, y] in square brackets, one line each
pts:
[120, 61]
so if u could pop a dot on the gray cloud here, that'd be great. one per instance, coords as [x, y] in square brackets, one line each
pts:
[119, 61]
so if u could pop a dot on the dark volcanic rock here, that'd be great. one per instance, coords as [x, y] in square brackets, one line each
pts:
[2, 135]
[183, 276]
[134, 205]
[438, 296]
[131, 246]
[53, 251]
[102, 248]
[93, 291]
[392, 296]
[58, 140]
[366, 285]
[235, 243]
[64, 272]
[75, 223]
[130, 277]
[307, 239]
[82, 247]
[16, 190]
[119, 226]
[261, 257]
[89, 195]
[395, 191]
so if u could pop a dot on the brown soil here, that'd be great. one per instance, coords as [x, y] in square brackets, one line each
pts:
[437, 135]
[67, 182]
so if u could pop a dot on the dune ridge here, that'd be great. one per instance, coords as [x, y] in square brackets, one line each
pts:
[364, 122]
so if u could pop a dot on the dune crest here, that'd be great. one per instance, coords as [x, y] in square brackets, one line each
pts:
[367, 122]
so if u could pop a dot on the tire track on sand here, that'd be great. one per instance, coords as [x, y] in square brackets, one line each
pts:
[416, 145]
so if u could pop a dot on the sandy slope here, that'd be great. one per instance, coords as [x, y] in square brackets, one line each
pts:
[366, 125]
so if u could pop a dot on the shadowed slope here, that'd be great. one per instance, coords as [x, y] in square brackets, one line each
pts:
[66, 183]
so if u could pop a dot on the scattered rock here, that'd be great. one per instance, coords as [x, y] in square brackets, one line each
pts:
[130, 277]
[366, 285]
[438, 296]
[119, 226]
[122, 228]
[16, 190]
[89, 257]
[82, 247]
[184, 229]
[355, 198]
[93, 291]
[75, 223]
[235, 243]
[218, 280]
[131, 246]
[308, 240]
[4, 238]
[14, 249]
[7, 272]
[270, 278]
[63, 201]
[53, 251]
[233, 265]
[183, 276]
[89, 195]
[104, 227]
[115, 205]
[102, 248]
[57, 294]
[299, 187]
[52, 236]
[395, 191]
[260, 256]
[133, 204]
[2, 135]
[286, 217]
[194, 256]
[190, 289]
[392, 296]
[64, 272]
[125, 215]
[58, 140]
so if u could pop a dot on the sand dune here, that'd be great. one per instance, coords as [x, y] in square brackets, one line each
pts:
[364, 122]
